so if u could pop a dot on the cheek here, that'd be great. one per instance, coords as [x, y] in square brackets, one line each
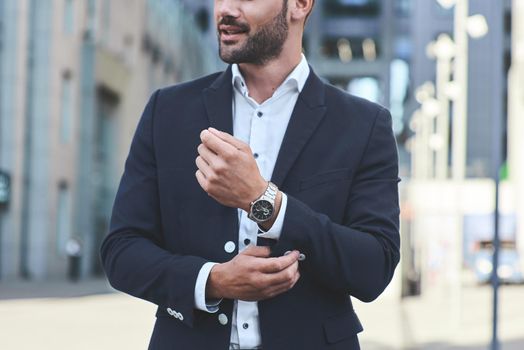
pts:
[259, 13]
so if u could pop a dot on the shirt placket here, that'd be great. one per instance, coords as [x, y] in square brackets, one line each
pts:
[247, 314]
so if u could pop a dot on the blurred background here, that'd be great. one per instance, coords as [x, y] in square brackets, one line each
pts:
[76, 74]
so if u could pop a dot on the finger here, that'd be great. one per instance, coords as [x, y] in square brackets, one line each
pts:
[215, 143]
[286, 275]
[201, 180]
[277, 289]
[209, 156]
[203, 166]
[260, 252]
[224, 136]
[275, 265]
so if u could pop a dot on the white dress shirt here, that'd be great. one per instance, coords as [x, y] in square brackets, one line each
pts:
[262, 127]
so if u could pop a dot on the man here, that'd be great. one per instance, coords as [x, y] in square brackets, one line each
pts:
[232, 260]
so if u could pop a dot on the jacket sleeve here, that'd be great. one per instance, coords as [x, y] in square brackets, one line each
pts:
[132, 254]
[358, 256]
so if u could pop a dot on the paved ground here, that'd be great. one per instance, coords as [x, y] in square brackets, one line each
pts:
[90, 316]
[432, 322]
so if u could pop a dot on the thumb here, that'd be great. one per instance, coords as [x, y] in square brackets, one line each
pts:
[260, 252]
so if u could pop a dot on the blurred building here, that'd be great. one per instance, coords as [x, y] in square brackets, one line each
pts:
[74, 78]
[488, 64]
[451, 217]
[363, 46]
[516, 121]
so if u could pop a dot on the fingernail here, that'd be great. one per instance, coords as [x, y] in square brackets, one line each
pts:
[212, 129]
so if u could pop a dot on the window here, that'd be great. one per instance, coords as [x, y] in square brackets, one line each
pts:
[69, 14]
[352, 7]
[63, 217]
[347, 49]
[106, 18]
[365, 87]
[67, 110]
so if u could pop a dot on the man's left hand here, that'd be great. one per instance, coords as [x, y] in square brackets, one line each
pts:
[227, 170]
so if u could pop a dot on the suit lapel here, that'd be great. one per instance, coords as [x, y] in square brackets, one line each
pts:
[218, 101]
[307, 114]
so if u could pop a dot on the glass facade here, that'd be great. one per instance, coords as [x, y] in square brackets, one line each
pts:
[403, 8]
[354, 8]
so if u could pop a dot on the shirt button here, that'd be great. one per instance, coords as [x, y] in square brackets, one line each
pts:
[229, 247]
[245, 326]
[247, 241]
[260, 114]
[255, 155]
[222, 318]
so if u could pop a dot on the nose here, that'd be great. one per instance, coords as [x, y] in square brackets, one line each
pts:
[226, 8]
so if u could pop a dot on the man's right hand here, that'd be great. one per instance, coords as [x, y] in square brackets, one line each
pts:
[252, 275]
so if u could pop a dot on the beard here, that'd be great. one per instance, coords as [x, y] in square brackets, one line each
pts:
[262, 46]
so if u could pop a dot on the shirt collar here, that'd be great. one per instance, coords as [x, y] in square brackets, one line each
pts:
[297, 78]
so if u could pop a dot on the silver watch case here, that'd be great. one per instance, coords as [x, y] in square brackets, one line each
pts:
[263, 208]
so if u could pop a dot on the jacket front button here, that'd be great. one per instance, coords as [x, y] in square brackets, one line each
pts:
[229, 247]
[301, 257]
[222, 318]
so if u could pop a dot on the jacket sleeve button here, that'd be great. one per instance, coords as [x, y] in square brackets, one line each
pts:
[222, 318]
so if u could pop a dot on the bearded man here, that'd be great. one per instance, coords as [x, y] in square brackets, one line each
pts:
[257, 201]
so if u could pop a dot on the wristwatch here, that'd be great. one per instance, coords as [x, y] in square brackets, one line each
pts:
[262, 208]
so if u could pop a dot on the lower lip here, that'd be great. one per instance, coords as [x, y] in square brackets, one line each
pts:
[230, 37]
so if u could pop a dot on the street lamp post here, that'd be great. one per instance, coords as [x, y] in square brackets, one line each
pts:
[443, 50]
[464, 26]
[422, 122]
[460, 104]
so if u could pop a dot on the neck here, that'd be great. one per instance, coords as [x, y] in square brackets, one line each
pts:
[263, 80]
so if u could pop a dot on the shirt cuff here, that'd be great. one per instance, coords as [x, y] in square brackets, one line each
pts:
[201, 303]
[276, 230]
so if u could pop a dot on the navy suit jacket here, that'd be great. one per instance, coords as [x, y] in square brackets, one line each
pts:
[338, 165]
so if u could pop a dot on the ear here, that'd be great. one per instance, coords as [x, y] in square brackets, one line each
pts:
[299, 10]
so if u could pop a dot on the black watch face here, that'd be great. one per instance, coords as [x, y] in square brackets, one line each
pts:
[262, 210]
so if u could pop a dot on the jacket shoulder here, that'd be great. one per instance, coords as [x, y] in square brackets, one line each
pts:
[183, 95]
[189, 88]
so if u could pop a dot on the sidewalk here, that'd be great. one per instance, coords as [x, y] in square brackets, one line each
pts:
[433, 322]
[53, 289]
[107, 321]
[89, 315]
